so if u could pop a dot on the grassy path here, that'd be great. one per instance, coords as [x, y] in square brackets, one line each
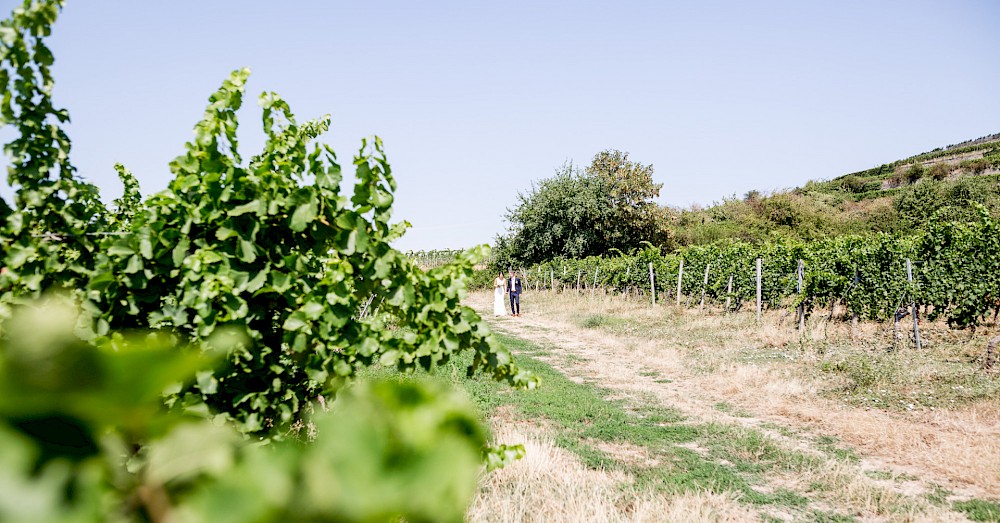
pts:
[660, 446]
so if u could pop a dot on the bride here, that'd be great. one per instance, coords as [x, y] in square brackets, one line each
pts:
[499, 286]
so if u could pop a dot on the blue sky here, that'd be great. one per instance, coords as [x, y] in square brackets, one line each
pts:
[475, 100]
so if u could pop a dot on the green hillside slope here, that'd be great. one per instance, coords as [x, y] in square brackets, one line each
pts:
[896, 197]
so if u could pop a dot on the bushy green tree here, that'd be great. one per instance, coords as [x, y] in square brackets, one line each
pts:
[561, 216]
[633, 215]
[579, 213]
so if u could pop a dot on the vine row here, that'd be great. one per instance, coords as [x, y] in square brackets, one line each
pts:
[955, 270]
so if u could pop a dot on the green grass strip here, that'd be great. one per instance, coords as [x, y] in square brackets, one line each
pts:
[720, 457]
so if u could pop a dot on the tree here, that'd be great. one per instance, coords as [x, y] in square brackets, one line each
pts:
[628, 186]
[561, 216]
[579, 213]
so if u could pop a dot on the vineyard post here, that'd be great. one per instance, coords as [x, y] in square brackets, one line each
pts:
[579, 273]
[801, 309]
[895, 327]
[758, 290]
[854, 313]
[704, 286]
[680, 274]
[364, 311]
[552, 278]
[729, 293]
[652, 284]
[628, 270]
[913, 304]
[597, 270]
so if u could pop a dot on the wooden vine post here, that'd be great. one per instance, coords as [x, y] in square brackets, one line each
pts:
[704, 286]
[652, 283]
[758, 290]
[913, 305]
[729, 293]
[854, 313]
[801, 309]
[680, 274]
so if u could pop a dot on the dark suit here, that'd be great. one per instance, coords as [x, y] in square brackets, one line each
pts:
[514, 290]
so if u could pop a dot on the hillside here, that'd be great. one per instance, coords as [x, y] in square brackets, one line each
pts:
[898, 197]
[973, 157]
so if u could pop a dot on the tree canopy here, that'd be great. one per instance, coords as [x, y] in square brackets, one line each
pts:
[585, 212]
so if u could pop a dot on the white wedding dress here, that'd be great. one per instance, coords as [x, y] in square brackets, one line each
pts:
[498, 294]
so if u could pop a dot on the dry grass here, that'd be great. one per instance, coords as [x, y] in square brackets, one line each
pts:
[841, 485]
[692, 361]
[550, 484]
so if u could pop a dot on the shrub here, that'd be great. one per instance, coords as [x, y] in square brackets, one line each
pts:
[940, 171]
[976, 166]
[906, 175]
[780, 209]
[918, 203]
[852, 184]
[915, 173]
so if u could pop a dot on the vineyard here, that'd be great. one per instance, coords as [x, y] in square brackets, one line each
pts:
[955, 274]
[436, 257]
[248, 345]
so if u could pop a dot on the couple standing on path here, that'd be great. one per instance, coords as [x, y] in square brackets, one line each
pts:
[510, 285]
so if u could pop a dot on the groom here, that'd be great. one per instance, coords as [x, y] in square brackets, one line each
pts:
[514, 290]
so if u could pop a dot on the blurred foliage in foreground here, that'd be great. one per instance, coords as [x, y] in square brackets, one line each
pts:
[85, 437]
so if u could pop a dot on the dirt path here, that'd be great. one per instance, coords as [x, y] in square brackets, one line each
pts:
[930, 452]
